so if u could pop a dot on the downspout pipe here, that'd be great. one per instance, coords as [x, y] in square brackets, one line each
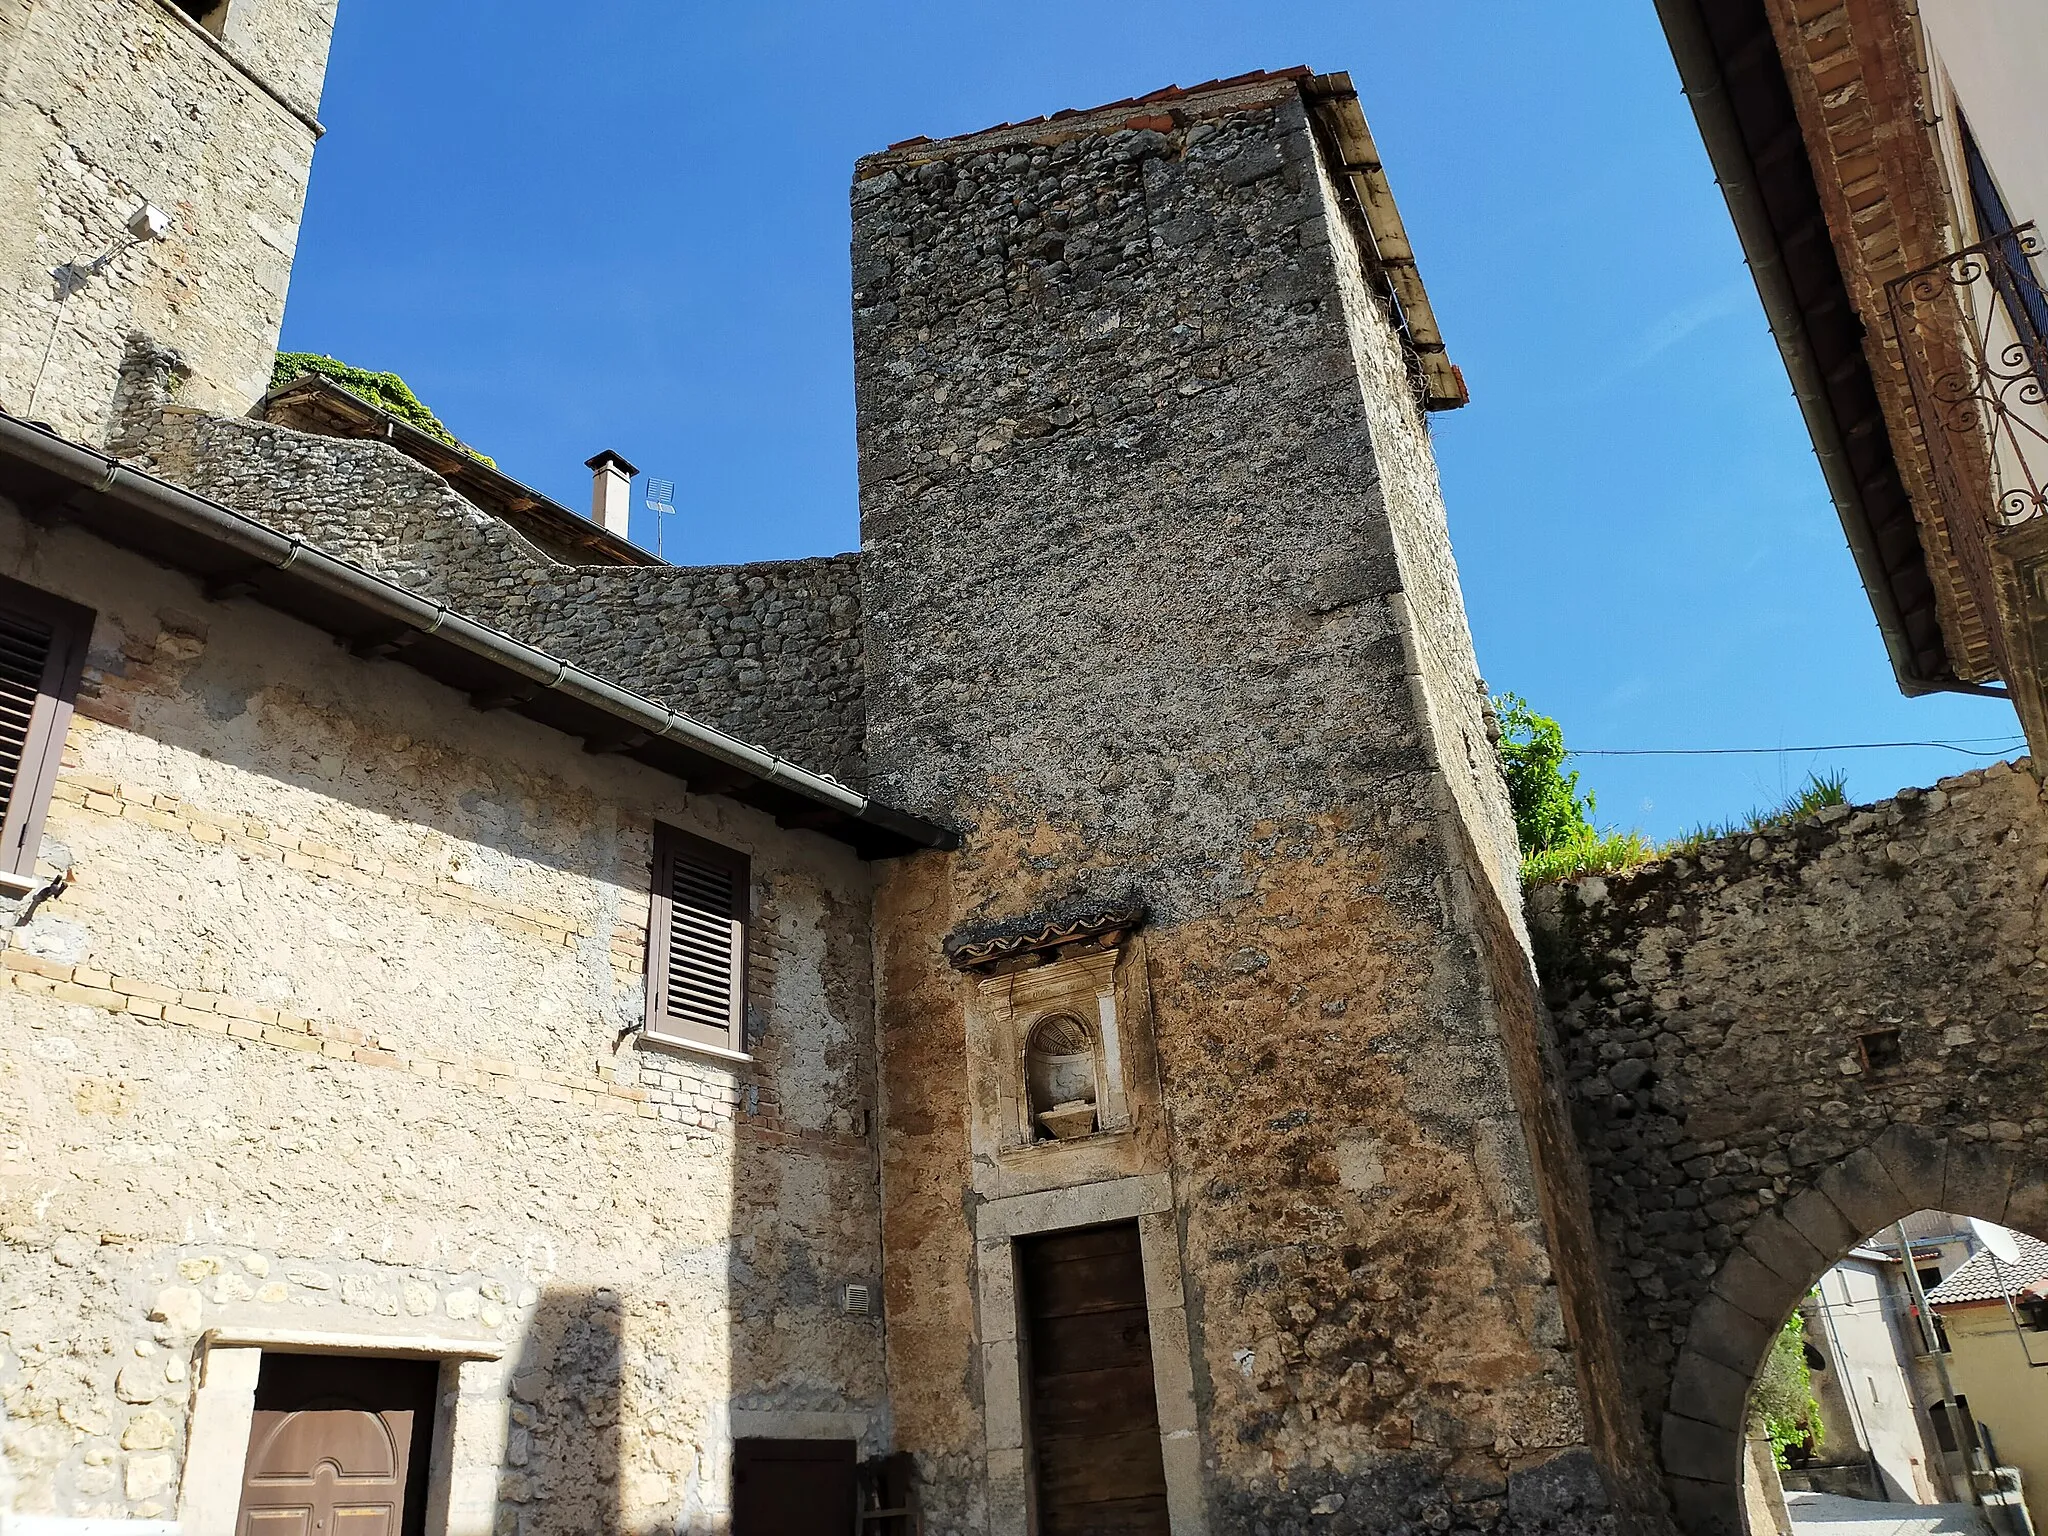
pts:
[1699, 71]
[265, 545]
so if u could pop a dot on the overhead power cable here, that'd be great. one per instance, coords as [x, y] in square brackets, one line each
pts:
[2010, 744]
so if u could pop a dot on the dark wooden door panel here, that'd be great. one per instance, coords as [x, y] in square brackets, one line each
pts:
[793, 1487]
[1094, 1416]
[1091, 1341]
[1085, 1243]
[1118, 1517]
[1087, 1284]
[1077, 1403]
[1089, 1469]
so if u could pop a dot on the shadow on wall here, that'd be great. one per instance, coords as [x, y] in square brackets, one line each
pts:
[561, 1469]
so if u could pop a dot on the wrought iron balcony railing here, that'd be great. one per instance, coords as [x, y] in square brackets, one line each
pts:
[1972, 330]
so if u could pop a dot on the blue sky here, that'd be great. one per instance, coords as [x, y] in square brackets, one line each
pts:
[623, 224]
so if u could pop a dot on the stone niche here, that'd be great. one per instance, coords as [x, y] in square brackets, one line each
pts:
[1060, 1053]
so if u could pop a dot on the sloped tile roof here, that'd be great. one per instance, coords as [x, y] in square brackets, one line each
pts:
[1165, 94]
[1979, 1279]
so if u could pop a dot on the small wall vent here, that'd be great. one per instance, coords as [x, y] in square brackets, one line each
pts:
[857, 1301]
[1880, 1049]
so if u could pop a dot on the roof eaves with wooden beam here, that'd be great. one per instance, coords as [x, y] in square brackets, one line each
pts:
[1335, 103]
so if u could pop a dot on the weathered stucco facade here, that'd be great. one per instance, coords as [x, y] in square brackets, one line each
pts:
[323, 1038]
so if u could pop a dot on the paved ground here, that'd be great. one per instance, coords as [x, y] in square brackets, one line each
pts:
[1829, 1514]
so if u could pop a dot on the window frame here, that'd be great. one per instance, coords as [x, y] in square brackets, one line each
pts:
[42, 748]
[656, 1023]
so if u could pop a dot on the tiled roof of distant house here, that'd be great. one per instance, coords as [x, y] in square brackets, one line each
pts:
[1986, 1278]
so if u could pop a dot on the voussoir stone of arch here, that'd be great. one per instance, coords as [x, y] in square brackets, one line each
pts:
[1915, 1160]
[1745, 1281]
[1705, 1507]
[2026, 1208]
[1977, 1180]
[1822, 1223]
[1723, 1332]
[1779, 1246]
[1696, 1449]
[1861, 1188]
[1709, 1391]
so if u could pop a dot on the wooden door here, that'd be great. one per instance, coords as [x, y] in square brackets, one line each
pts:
[793, 1488]
[1094, 1418]
[338, 1447]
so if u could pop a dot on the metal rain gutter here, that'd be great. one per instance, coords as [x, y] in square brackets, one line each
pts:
[110, 477]
[1699, 71]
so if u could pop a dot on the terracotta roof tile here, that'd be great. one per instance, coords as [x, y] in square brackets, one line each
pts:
[1165, 93]
[1979, 1280]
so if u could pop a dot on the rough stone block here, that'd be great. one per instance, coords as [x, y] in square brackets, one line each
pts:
[1008, 1495]
[1727, 1334]
[1861, 1188]
[1779, 1246]
[1976, 1180]
[1554, 1490]
[148, 1475]
[1002, 1394]
[1695, 1449]
[2026, 1207]
[1746, 1282]
[1914, 1160]
[1705, 1506]
[1822, 1223]
[1705, 1389]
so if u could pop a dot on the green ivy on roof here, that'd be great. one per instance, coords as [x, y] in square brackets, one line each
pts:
[386, 391]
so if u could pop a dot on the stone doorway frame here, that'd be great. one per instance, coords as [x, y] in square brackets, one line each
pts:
[1147, 1199]
[470, 1422]
[1780, 1258]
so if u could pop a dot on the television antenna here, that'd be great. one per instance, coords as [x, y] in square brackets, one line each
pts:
[660, 500]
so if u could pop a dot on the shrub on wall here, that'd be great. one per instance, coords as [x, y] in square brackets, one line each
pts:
[386, 391]
[1783, 1399]
[1553, 821]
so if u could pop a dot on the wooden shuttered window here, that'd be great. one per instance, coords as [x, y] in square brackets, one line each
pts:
[697, 942]
[42, 652]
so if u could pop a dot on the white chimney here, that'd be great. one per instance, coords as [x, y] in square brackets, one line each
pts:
[611, 491]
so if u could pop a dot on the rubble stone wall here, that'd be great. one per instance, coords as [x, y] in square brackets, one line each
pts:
[1137, 620]
[324, 1033]
[1776, 1045]
[104, 107]
[770, 652]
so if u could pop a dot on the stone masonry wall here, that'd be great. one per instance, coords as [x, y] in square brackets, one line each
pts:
[1450, 691]
[324, 1032]
[1135, 620]
[770, 652]
[1738, 1029]
[105, 105]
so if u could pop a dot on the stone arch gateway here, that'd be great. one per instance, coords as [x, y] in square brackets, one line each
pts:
[1778, 1044]
[1781, 1257]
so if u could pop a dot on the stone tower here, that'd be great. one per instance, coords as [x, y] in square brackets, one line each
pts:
[1163, 616]
[202, 108]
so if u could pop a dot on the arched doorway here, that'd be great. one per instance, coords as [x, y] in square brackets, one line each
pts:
[1781, 1257]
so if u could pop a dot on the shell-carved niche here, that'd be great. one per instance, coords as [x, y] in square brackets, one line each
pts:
[1060, 1066]
[1054, 1077]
